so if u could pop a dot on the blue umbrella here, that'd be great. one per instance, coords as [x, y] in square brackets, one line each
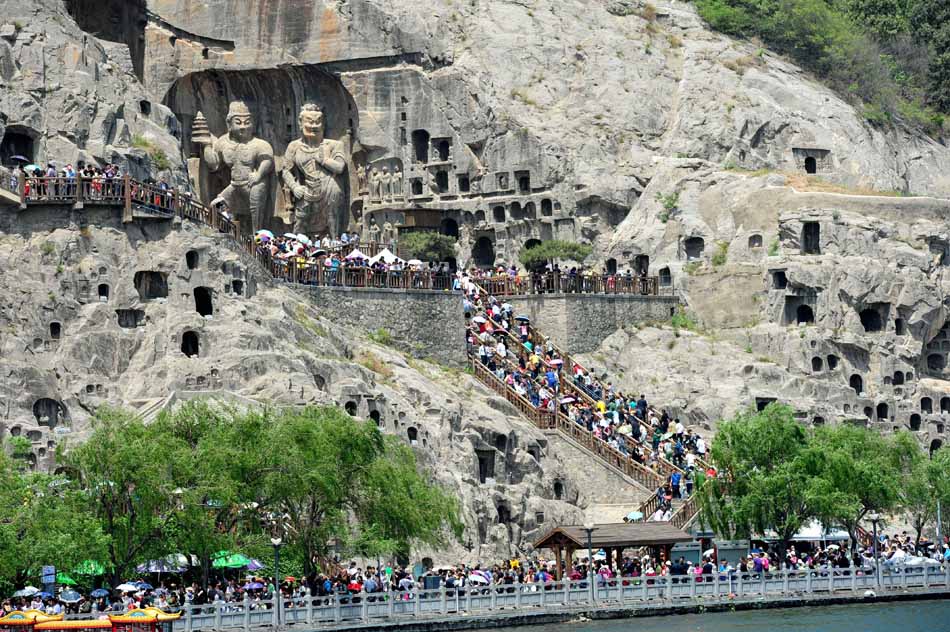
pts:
[69, 596]
[44, 594]
[20, 158]
[99, 592]
[144, 585]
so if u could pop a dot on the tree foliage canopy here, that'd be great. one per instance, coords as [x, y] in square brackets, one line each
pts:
[207, 478]
[553, 250]
[890, 57]
[428, 245]
[777, 476]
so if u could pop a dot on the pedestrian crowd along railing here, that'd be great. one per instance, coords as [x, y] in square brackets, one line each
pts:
[475, 599]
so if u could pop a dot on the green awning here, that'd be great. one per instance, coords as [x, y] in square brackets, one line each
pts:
[65, 580]
[227, 559]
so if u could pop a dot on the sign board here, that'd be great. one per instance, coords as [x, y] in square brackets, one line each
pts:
[49, 575]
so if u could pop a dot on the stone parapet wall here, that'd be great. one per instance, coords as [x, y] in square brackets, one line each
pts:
[579, 323]
[428, 323]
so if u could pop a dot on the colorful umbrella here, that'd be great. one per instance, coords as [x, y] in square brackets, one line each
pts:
[99, 592]
[69, 596]
[255, 565]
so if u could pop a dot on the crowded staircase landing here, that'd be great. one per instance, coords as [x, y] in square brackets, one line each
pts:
[143, 201]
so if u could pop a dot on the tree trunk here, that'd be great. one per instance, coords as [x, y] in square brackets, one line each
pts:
[205, 570]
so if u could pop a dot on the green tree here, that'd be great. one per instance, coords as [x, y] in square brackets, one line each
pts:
[127, 474]
[858, 471]
[553, 250]
[336, 482]
[428, 245]
[925, 482]
[42, 521]
[765, 482]
[220, 495]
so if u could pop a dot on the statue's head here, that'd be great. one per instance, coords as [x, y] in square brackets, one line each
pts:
[385, 170]
[311, 122]
[240, 122]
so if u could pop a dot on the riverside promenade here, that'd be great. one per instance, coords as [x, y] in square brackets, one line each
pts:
[477, 607]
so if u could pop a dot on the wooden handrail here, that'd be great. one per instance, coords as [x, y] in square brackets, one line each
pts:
[564, 283]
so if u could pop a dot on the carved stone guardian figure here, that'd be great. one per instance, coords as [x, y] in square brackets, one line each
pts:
[397, 183]
[386, 185]
[313, 166]
[249, 159]
[375, 185]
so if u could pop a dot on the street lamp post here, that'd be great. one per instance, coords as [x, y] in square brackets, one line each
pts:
[277, 542]
[589, 528]
[875, 518]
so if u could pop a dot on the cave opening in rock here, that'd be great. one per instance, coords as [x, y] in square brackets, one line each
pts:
[666, 277]
[811, 165]
[868, 412]
[376, 417]
[486, 464]
[103, 291]
[936, 362]
[130, 318]
[641, 265]
[203, 302]
[49, 412]
[514, 211]
[818, 421]
[762, 402]
[926, 405]
[755, 241]
[811, 238]
[151, 285]
[779, 280]
[415, 186]
[501, 443]
[504, 514]
[465, 184]
[816, 364]
[191, 259]
[442, 148]
[857, 383]
[898, 378]
[237, 286]
[611, 266]
[16, 142]
[832, 362]
[694, 247]
[882, 411]
[523, 178]
[442, 181]
[915, 422]
[55, 330]
[945, 404]
[413, 435]
[804, 315]
[420, 145]
[899, 327]
[449, 227]
[935, 445]
[190, 344]
[547, 210]
[498, 213]
[872, 320]
[558, 490]
[483, 252]
[479, 217]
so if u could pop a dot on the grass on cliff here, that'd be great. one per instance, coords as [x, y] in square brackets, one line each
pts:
[302, 319]
[157, 156]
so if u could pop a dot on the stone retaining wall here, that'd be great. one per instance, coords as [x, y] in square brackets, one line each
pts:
[427, 323]
[578, 323]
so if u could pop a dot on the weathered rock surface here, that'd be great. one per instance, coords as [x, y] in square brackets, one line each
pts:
[68, 97]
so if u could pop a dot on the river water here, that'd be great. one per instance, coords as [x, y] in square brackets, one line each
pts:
[914, 616]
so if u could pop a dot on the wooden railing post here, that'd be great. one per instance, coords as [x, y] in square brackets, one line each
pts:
[127, 210]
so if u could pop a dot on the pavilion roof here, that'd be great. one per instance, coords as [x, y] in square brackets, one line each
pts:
[621, 534]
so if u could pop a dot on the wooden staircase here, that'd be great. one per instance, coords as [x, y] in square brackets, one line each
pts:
[684, 512]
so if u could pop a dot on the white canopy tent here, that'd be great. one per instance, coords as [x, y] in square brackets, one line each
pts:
[814, 531]
[386, 256]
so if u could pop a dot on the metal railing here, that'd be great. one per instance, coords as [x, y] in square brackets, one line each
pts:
[565, 283]
[391, 607]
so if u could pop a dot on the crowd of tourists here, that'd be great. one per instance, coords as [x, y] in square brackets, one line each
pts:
[327, 261]
[531, 365]
[551, 278]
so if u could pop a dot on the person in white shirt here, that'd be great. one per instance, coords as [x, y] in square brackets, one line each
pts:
[501, 350]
